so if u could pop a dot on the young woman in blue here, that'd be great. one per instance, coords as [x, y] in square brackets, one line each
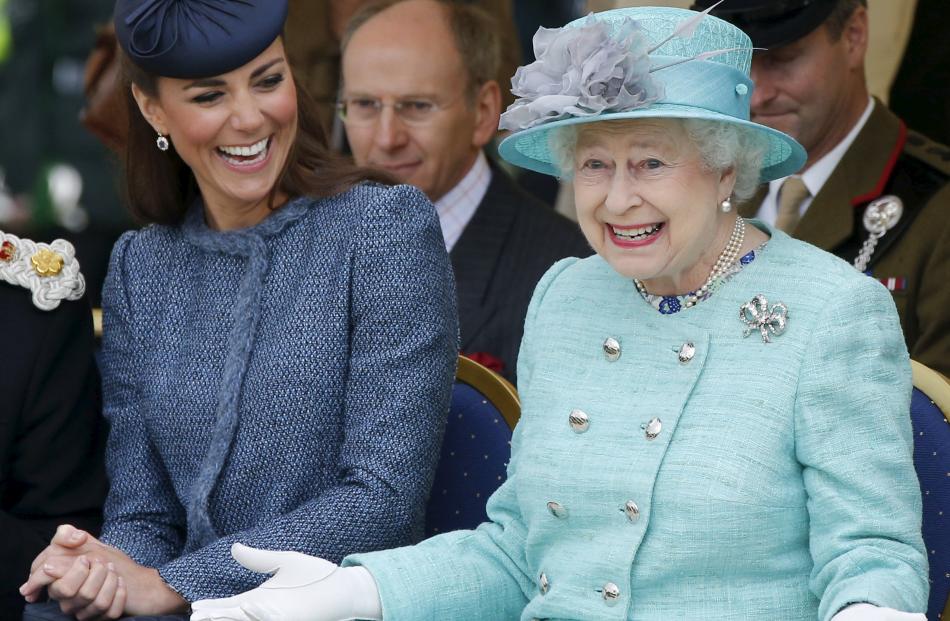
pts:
[279, 344]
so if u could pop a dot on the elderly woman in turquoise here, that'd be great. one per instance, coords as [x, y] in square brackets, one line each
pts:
[715, 416]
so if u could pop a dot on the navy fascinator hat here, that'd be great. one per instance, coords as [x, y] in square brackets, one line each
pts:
[193, 39]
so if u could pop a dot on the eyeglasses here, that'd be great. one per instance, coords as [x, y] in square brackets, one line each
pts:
[366, 110]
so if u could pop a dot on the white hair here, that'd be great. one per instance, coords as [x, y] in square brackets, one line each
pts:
[721, 146]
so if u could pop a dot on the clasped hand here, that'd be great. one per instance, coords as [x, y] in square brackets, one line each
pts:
[95, 581]
[303, 588]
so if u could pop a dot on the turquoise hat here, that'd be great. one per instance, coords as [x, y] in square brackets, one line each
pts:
[636, 63]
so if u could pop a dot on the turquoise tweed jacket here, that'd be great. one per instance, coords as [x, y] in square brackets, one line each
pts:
[778, 485]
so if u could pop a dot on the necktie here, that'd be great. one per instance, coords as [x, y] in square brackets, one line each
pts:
[791, 195]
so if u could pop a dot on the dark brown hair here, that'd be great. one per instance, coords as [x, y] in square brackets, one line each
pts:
[840, 15]
[475, 32]
[160, 187]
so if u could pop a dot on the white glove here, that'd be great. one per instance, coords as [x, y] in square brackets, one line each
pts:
[303, 588]
[870, 612]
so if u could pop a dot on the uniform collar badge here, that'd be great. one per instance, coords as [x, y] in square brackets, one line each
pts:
[880, 216]
[49, 271]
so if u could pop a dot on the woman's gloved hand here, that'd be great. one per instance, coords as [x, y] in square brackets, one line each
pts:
[303, 588]
[869, 612]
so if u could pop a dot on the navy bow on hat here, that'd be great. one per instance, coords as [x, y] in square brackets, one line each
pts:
[196, 38]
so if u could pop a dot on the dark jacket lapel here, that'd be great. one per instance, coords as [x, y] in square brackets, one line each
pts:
[476, 254]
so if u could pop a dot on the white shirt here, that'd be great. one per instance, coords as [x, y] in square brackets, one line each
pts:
[459, 204]
[816, 176]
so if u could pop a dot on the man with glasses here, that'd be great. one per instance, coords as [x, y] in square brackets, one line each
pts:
[419, 100]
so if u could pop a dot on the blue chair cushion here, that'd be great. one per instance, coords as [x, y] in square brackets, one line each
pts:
[475, 453]
[932, 461]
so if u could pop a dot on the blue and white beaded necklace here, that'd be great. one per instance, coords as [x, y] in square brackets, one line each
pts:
[727, 266]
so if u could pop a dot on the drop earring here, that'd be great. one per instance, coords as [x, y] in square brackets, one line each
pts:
[162, 143]
[726, 205]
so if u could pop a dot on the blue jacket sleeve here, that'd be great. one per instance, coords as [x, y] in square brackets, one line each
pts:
[142, 516]
[483, 572]
[853, 438]
[404, 335]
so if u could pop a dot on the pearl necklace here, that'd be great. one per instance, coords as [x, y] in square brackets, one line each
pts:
[726, 258]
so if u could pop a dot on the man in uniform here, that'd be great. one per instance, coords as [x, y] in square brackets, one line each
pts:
[51, 432]
[420, 101]
[873, 192]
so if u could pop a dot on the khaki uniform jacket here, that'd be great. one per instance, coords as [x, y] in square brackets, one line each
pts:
[913, 258]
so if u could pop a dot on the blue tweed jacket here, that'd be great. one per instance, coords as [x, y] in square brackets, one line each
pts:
[283, 385]
[779, 484]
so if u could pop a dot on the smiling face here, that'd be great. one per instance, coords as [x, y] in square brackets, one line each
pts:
[234, 131]
[813, 89]
[407, 55]
[648, 205]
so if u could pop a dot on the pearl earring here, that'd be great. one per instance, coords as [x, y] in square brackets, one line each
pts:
[162, 143]
[726, 205]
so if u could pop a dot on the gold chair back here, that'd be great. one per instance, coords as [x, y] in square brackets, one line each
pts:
[494, 387]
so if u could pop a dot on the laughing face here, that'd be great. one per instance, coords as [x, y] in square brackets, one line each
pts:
[648, 205]
[234, 131]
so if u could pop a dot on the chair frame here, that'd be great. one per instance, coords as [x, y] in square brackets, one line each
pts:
[937, 389]
[934, 385]
[494, 387]
[97, 322]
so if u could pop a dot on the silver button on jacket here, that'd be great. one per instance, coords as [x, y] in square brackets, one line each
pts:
[612, 349]
[557, 509]
[579, 420]
[653, 428]
[686, 353]
[632, 510]
[611, 593]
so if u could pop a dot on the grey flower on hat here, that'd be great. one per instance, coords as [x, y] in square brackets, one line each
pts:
[582, 71]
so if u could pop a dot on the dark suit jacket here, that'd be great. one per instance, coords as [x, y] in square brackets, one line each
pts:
[887, 159]
[51, 432]
[504, 250]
